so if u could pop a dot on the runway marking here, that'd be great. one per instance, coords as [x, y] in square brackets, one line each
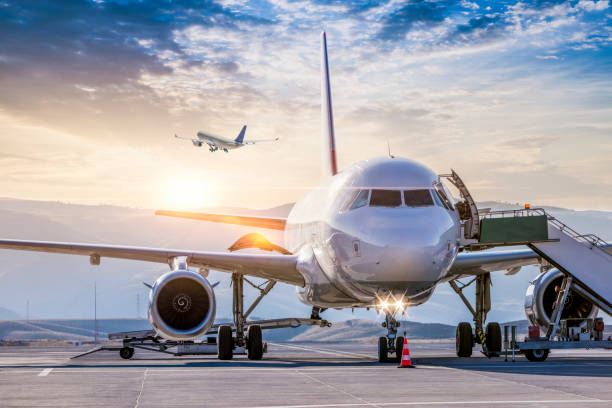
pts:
[443, 403]
[45, 372]
[144, 377]
[521, 383]
[325, 351]
[526, 365]
[364, 402]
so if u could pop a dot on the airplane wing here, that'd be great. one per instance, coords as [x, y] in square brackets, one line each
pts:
[478, 263]
[249, 221]
[184, 138]
[282, 268]
[250, 142]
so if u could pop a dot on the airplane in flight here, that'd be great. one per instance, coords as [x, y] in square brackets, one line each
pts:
[382, 233]
[219, 143]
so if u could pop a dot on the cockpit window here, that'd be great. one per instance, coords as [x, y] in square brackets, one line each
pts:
[386, 198]
[417, 198]
[361, 200]
[444, 199]
[438, 199]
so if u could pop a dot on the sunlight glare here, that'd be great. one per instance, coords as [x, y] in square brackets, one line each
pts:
[186, 194]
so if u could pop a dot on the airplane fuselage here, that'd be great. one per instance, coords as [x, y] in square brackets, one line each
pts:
[378, 230]
[218, 142]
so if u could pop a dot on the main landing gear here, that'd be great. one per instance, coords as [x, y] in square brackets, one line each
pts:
[249, 334]
[490, 338]
[251, 340]
[391, 344]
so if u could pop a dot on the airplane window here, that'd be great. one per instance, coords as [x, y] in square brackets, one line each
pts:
[445, 200]
[417, 198]
[438, 200]
[361, 200]
[386, 198]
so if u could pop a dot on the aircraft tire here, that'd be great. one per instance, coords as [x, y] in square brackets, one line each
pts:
[225, 343]
[399, 347]
[493, 337]
[383, 350]
[126, 352]
[254, 342]
[464, 340]
[536, 355]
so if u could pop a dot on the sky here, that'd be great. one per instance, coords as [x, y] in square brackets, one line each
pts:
[515, 96]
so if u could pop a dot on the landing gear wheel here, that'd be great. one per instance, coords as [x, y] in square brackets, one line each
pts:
[493, 338]
[536, 355]
[399, 348]
[383, 350]
[126, 352]
[225, 343]
[254, 342]
[464, 340]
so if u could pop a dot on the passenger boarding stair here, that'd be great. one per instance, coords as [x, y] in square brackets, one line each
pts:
[587, 259]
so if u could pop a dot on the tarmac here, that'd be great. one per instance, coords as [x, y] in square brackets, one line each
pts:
[303, 375]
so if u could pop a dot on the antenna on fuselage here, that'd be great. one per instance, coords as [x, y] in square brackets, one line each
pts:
[389, 150]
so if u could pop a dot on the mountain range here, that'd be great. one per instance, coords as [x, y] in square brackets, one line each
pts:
[62, 286]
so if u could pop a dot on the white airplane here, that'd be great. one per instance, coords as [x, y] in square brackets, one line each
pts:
[382, 233]
[219, 143]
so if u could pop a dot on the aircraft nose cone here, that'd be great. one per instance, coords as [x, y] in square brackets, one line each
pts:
[416, 248]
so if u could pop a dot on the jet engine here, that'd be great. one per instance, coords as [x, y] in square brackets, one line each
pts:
[181, 305]
[196, 143]
[542, 294]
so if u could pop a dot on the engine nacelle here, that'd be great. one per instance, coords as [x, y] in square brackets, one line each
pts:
[541, 296]
[196, 143]
[181, 305]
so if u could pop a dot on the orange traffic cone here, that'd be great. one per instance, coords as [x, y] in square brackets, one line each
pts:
[406, 361]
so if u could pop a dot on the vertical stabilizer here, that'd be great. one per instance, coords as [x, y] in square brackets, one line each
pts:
[240, 137]
[327, 117]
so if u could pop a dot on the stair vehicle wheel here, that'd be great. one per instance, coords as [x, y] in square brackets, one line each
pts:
[493, 338]
[254, 342]
[383, 350]
[126, 352]
[399, 347]
[537, 355]
[464, 340]
[225, 343]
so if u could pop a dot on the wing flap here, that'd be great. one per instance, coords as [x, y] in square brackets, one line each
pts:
[248, 221]
[282, 268]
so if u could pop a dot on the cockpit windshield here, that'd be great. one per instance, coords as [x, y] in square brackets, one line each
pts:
[361, 200]
[386, 198]
[417, 198]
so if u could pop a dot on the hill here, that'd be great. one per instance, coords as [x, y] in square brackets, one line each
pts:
[62, 286]
[83, 329]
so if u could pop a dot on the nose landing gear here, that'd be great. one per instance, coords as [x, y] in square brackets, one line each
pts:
[391, 343]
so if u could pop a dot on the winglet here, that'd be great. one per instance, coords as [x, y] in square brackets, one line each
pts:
[327, 118]
[240, 137]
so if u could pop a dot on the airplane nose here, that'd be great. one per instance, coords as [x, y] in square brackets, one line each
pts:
[415, 250]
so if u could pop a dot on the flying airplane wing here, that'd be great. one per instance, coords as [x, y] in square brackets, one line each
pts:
[250, 142]
[281, 268]
[249, 221]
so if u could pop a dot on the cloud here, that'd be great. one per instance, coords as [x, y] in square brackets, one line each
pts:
[398, 23]
[589, 5]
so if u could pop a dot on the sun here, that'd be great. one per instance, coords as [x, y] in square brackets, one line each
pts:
[185, 194]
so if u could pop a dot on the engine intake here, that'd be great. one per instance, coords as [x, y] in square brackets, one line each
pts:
[541, 296]
[182, 305]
